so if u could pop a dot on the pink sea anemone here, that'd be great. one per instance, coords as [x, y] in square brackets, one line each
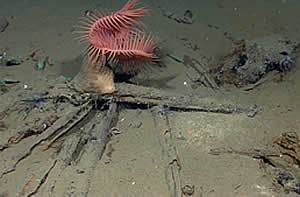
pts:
[117, 37]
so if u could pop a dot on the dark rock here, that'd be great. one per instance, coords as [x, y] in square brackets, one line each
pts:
[3, 23]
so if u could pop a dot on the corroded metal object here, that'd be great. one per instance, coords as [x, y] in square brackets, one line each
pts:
[252, 60]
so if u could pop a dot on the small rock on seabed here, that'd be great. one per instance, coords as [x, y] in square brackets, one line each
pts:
[3, 23]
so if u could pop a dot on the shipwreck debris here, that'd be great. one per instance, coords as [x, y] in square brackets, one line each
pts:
[251, 61]
[187, 18]
[280, 160]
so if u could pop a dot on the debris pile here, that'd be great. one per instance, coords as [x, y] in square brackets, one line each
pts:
[252, 60]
